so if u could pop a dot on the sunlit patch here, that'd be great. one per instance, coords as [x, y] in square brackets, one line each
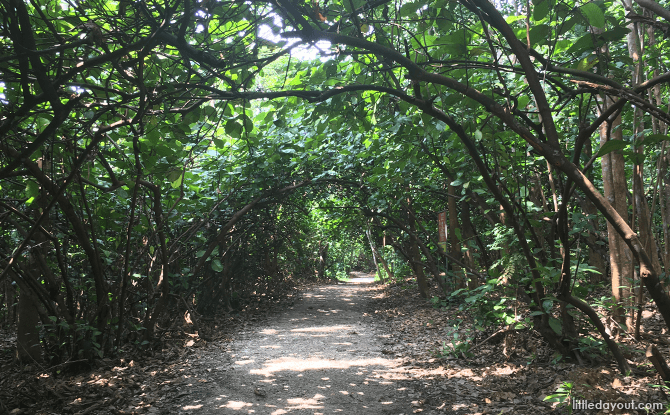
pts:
[465, 373]
[244, 362]
[191, 407]
[309, 403]
[327, 329]
[269, 331]
[344, 392]
[504, 371]
[236, 405]
[300, 365]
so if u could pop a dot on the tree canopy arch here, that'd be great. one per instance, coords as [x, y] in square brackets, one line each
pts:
[125, 118]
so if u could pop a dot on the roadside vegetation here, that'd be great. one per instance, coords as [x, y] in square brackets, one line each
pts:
[169, 161]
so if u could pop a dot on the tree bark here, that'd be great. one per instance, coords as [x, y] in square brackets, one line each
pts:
[595, 258]
[468, 240]
[28, 348]
[415, 253]
[454, 243]
[615, 189]
[374, 255]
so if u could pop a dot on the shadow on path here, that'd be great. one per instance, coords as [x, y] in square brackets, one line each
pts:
[321, 356]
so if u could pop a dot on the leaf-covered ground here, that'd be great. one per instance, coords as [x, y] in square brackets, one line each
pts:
[507, 371]
[345, 348]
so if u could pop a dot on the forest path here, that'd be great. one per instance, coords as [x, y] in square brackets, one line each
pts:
[322, 355]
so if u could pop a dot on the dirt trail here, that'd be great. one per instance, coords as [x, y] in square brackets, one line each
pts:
[322, 355]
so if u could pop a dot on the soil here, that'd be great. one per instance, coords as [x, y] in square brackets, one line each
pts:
[322, 355]
[353, 348]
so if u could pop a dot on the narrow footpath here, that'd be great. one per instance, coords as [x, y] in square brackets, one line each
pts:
[322, 355]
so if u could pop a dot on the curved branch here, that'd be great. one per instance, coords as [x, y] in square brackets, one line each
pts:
[655, 7]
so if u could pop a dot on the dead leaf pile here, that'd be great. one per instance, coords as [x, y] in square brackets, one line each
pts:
[136, 381]
[504, 371]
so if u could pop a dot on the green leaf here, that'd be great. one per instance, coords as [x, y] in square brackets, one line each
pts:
[634, 157]
[153, 136]
[233, 128]
[584, 43]
[587, 63]
[541, 10]
[247, 123]
[615, 34]
[174, 175]
[176, 183]
[567, 26]
[612, 145]
[409, 9]
[32, 189]
[594, 15]
[192, 117]
[555, 398]
[555, 325]
[210, 113]
[539, 34]
[42, 122]
[523, 101]
[652, 139]
[217, 266]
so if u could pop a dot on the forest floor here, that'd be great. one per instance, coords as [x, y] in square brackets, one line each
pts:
[353, 348]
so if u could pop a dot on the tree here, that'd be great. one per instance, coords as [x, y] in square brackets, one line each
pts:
[171, 123]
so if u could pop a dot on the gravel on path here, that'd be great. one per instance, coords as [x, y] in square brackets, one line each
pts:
[323, 355]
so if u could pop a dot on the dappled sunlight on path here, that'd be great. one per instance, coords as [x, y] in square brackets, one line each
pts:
[322, 355]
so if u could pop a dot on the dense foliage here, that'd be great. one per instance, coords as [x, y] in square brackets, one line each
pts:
[186, 155]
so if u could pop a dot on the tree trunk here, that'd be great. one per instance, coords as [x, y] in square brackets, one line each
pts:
[374, 255]
[454, 243]
[665, 211]
[323, 259]
[615, 189]
[595, 258]
[28, 348]
[468, 240]
[415, 254]
[378, 258]
[635, 45]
